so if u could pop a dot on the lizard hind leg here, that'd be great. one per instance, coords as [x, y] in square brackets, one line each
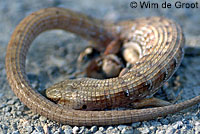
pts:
[149, 102]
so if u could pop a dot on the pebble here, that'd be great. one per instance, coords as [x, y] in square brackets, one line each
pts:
[164, 121]
[170, 130]
[160, 132]
[101, 129]
[87, 131]
[82, 129]
[127, 130]
[75, 129]
[19, 113]
[1, 95]
[98, 132]
[178, 125]
[153, 129]
[8, 109]
[35, 117]
[35, 132]
[93, 129]
[3, 105]
[197, 123]
[29, 129]
[198, 114]
[59, 131]
[7, 114]
[11, 102]
[39, 129]
[136, 124]
[195, 118]
[14, 125]
[20, 108]
[42, 118]
[15, 132]
[144, 130]
[110, 128]
[121, 127]
[68, 131]
[155, 123]
[112, 131]
[197, 129]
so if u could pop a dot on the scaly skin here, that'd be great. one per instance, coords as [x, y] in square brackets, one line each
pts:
[161, 42]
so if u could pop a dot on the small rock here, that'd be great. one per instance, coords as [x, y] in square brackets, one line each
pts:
[7, 114]
[15, 132]
[178, 125]
[35, 132]
[109, 128]
[82, 130]
[35, 117]
[59, 131]
[155, 123]
[75, 129]
[127, 130]
[29, 129]
[112, 131]
[164, 126]
[42, 118]
[56, 132]
[98, 132]
[14, 125]
[93, 129]
[170, 130]
[121, 127]
[101, 129]
[39, 129]
[183, 131]
[136, 124]
[153, 129]
[189, 126]
[11, 102]
[46, 129]
[20, 107]
[195, 118]
[1, 95]
[186, 121]
[25, 123]
[8, 109]
[2, 106]
[86, 131]
[160, 132]
[197, 129]
[4, 126]
[145, 130]
[197, 124]
[19, 113]
[68, 131]
[164, 121]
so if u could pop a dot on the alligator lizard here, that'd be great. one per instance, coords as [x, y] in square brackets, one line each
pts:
[162, 47]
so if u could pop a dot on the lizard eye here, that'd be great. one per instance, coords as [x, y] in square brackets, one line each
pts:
[84, 107]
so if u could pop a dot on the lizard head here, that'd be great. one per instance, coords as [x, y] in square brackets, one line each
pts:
[64, 93]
